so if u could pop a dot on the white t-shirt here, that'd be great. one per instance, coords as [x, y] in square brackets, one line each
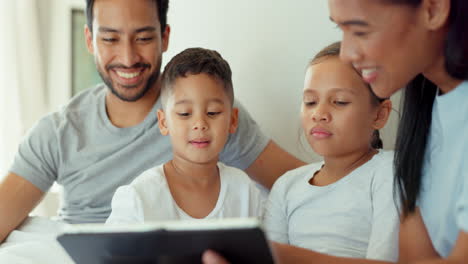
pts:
[148, 198]
[353, 217]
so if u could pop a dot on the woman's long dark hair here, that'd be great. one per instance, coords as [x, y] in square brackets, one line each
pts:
[418, 99]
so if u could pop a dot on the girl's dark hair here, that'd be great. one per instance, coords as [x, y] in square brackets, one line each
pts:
[333, 50]
[417, 102]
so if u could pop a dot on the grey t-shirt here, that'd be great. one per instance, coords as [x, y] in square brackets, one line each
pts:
[80, 149]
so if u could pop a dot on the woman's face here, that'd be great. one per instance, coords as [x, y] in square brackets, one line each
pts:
[386, 43]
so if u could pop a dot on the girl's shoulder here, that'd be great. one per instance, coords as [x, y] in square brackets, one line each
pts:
[381, 167]
[381, 160]
[293, 176]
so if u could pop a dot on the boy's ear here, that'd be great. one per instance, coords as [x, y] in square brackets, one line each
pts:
[162, 123]
[383, 113]
[234, 120]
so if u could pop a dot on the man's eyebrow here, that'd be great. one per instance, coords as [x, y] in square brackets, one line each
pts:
[352, 22]
[107, 30]
[144, 29]
[139, 30]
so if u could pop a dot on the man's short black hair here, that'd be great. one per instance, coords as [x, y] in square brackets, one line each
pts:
[161, 5]
[196, 61]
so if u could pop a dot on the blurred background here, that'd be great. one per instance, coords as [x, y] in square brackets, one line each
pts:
[268, 43]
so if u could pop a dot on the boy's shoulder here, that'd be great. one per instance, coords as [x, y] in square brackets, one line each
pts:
[150, 177]
[233, 174]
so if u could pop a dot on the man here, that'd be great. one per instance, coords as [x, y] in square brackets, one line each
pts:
[108, 135]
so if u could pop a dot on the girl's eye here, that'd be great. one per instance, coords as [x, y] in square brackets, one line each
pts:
[213, 113]
[183, 114]
[310, 103]
[341, 103]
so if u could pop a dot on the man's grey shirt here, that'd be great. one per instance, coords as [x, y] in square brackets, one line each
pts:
[80, 149]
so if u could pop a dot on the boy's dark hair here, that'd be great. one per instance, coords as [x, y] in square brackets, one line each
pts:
[196, 61]
[161, 5]
[333, 50]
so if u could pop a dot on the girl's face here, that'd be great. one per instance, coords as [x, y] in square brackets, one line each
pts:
[389, 44]
[338, 117]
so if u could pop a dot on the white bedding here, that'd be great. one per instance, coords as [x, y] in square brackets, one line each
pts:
[34, 242]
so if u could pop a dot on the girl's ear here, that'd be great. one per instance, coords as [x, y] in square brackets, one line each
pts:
[234, 120]
[162, 123]
[383, 113]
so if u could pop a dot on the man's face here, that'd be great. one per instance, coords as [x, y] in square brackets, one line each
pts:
[127, 44]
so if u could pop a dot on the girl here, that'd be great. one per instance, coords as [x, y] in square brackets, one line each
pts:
[344, 205]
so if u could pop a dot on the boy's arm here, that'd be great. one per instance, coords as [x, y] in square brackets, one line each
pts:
[272, 163]
[17, 198]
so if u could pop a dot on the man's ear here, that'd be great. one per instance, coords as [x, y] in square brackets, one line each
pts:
[162, 123]
[89, 39]
[165, 38]
[383, 113]
[234, 120]
[435, 13]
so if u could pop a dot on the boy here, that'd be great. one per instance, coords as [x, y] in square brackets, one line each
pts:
[197, 100]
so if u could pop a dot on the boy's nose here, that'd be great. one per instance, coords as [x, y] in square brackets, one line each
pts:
[200, 125]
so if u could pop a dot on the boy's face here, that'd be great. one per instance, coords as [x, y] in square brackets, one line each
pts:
[198, 117]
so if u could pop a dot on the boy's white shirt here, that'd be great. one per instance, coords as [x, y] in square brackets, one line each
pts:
[148, 198]
[354, 217]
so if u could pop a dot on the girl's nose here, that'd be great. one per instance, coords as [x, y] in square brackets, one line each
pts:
[321, 115]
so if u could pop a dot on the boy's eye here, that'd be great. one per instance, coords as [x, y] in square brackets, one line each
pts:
[183, 114]
[213, 113]
[309, 103]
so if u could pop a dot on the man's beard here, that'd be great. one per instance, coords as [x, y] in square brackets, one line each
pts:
[149, 84]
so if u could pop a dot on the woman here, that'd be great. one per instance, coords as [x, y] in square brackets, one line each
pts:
[423, 45]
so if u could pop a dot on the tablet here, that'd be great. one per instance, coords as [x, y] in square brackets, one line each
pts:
[238, 240]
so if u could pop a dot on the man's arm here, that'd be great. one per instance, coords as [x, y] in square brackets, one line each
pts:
[272, 163]
[17, 198]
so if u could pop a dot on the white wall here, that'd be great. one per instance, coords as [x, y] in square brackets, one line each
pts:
[268, 44]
